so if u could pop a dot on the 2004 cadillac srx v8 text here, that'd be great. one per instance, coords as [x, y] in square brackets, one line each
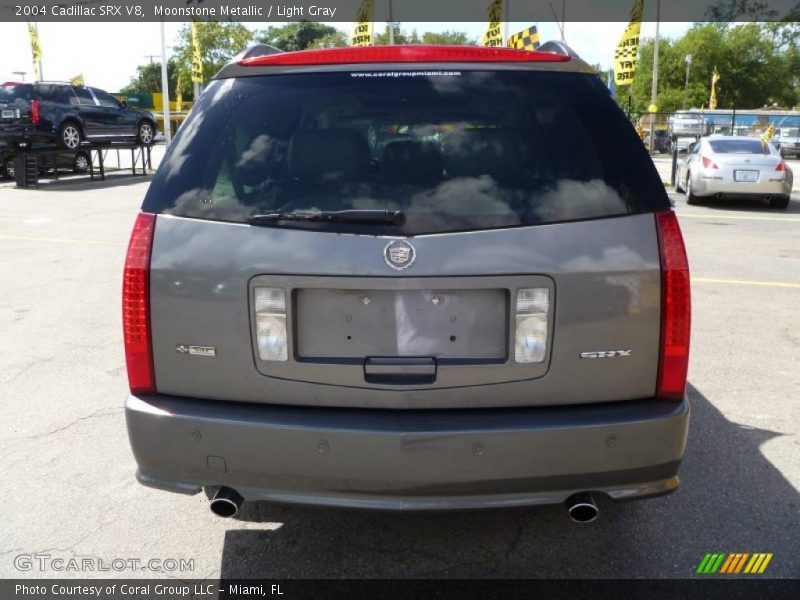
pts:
[382, 278]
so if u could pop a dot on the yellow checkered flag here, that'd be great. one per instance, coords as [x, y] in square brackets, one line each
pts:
[625, 55]
[527, 39]
[493, 37]
[712, 103]
[36, 50]
[77, 80]
[197, 60]
[362, 35]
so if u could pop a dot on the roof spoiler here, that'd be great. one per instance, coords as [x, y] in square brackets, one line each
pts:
[255, 50]
[554, 47]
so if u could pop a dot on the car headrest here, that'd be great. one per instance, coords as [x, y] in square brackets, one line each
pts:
[410, 161]
[328, 154]
[476, 152]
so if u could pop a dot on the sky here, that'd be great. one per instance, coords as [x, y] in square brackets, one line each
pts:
[107, 54]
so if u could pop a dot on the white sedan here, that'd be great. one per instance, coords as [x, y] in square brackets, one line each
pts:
[734, 167]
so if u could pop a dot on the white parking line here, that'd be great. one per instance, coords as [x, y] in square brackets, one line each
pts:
[745, 282]
[692, 215]
[26, 238]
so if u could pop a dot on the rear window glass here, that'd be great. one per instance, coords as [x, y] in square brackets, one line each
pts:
[452, 150]
[739, 147]
[12, 93]
[790, 133]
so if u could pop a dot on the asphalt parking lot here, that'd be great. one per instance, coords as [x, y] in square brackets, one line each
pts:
[69, 490]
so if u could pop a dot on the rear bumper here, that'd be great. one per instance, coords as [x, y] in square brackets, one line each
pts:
[705, 186]
[407, 460]
[25, 133]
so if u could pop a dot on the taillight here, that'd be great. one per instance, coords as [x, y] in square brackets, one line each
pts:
[708, 163]
[781, 167]
[35, 112]
[136, 307]
[530, 338]
[270, 304]
[676, 310]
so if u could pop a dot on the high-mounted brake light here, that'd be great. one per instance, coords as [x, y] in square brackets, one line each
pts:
[402, 54]
[35, 112]
[708, 163]
[673, 360]
[136, 307]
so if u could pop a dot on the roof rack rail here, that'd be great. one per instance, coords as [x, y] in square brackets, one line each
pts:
[556, 47]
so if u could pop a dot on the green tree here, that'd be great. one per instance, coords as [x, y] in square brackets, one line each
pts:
[219, 42]
[455, 38]
[302, 35]
[401, 36]
[148, 78]
[754, 68]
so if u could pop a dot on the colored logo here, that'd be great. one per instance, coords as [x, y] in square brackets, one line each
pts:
[734, 563]
[399, 254]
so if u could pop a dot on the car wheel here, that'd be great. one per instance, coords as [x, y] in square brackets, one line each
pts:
[690, 197]
[69, 135]
[145, 133]
[9, 169]
[81, 163]
[779, 202]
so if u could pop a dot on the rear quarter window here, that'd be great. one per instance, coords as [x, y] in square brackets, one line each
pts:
[453, 150]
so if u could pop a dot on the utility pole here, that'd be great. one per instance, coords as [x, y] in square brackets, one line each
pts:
[151, 57]
[21, 74]
[564, 20]
[686, 84]
[391, 25]
[654, 87]
[165, 88]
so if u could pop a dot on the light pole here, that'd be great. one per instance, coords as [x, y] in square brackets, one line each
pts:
[41, 72]
[686, 84]
[165, 87]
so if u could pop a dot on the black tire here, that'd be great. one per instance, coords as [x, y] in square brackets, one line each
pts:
[80, 163]
[145, 133]
[780, 202]
[69, 135]
[690, 197]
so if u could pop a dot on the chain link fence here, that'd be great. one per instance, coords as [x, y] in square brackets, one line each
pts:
[663, 132]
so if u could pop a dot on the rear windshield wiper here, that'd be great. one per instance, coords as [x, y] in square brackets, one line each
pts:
[388, 217]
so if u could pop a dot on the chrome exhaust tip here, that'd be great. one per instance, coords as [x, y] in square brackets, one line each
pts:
[226, 502]
[581, 508]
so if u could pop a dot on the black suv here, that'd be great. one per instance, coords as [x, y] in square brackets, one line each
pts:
[68, 115]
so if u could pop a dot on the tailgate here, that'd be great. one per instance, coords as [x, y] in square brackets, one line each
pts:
[439, 335]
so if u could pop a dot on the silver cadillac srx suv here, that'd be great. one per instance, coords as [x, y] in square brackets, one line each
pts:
[407, 278]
